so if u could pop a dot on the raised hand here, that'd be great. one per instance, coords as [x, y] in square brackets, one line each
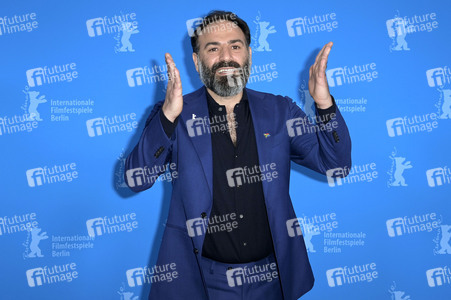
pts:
[173, 102]
[317, 84]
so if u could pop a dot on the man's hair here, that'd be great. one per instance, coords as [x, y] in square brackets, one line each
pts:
[215, 16]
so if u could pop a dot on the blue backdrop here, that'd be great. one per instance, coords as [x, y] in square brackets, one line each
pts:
[67, 67]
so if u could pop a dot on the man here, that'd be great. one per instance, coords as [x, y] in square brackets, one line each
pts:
[231, 231]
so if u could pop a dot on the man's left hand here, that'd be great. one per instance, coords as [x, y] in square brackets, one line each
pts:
[317, 84]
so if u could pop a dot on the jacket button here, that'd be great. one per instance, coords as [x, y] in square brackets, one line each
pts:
[335, 134]
[203, 215]
[196, 251]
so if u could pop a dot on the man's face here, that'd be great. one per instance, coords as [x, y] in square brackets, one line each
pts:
[224, 59]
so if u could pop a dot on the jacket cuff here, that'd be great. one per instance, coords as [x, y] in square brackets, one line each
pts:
[326, 114]
[168, 126]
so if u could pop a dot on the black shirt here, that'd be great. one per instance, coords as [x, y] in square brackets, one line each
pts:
[238, 230]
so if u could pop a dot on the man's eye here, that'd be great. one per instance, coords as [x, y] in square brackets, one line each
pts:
[235, 47]
[212, 49]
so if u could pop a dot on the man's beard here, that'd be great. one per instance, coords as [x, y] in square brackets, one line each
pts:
[225, 85]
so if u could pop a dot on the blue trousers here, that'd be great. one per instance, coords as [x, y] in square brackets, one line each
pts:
[249, 281]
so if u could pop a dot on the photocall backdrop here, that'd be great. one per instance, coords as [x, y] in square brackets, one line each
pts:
[78, 81]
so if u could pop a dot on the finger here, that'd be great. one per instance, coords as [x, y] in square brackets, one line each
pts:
[170, 66]
[177, 80]
[325, 57]
[319, 54]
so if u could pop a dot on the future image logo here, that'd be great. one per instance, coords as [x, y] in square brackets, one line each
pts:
[50, 75]
[310, 25]
[438, 76]
[351, 75]
[411, 125]
[410, 225]
[438, 276]
[49, 275]
[48, 175]
[350, 275]
[438, 176]
[145, 75]
[357, 173]
[110, 225]
[257, 273]
[111, 125]
[109, 25]
[18, 23]
[147, 275]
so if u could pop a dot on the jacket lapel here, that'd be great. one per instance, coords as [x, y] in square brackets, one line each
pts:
[262, 118]
[196, 106]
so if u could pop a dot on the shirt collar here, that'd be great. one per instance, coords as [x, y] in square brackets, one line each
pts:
[214, 107]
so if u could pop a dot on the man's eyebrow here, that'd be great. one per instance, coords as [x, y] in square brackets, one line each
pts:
[229, 42]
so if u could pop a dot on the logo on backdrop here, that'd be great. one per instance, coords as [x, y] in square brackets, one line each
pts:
[397, 295]
[443, 104]
[123, 44]
[438, 276]
[18, 223]
[50, 75]
[399, 27]
[32, 101]
[18, 23]
[308, 103]
[148, 275]
[111, 125]
[110, 225]
[357, 173]
[411, 125]
[443, 240]
[334, 242]
[126, 295]
[146, 75]
[351, 75]
[350, 275]
[398, 166]
[411, 225]
[311, 25]
[438, 77]
[50, 275]
[261, 34]
[438, 176]
[142, 176]
[34, 237]
[48, 175]
[123, 26]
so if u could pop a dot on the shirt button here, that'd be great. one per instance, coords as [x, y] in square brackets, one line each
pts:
[196, 251]
[244, 244]
[220, 109]
[236, 155]
[241, 216]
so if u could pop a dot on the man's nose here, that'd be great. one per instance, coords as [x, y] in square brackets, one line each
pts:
[225, 54]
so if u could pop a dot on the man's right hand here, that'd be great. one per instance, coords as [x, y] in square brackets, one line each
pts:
[173, 102]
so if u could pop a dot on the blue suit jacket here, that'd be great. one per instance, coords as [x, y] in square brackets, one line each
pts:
[192, 193]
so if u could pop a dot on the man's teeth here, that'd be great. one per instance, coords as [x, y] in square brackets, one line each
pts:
[224, 71]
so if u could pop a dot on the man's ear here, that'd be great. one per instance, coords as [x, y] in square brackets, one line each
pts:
[250, 56]
[195, 58]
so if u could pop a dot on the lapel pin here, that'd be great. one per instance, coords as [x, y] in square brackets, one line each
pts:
[266, 135]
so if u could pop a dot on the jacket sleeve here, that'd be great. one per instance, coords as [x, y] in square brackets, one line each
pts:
[148, 159]
[321, 145]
